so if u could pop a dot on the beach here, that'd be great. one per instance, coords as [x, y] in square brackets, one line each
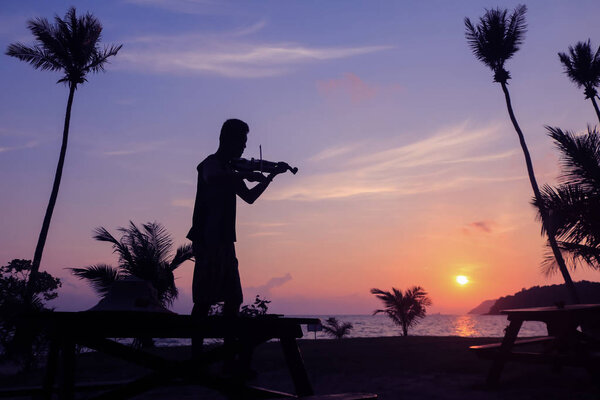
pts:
[413, 367]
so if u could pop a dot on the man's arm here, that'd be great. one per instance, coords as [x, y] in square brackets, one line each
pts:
[250, 195]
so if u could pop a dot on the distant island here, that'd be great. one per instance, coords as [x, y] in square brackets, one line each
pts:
[540, 296]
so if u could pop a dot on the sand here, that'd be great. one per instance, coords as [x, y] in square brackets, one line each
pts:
[395, 368]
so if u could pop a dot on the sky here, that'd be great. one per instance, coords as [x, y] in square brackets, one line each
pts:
[410, 172]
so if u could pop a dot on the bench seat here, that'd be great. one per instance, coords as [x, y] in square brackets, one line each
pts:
[520, 342]
[341, 396]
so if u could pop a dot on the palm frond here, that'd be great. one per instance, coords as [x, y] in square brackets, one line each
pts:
[496, 38]
[404, 309]
[125, 256]
[100, 276]
[70, 45]
[183, 254]
[582, 66]
[580, 156]
[37, 56]
[145, 253]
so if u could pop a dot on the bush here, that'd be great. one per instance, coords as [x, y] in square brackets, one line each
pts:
[17, 345]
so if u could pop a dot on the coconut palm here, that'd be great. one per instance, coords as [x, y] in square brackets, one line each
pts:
[582, 66]
[144, 253]
[405, 309]
[337, 329]
[70, 46]
[494, 40]
[575, 203]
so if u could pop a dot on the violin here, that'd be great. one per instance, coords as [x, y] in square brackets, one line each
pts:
[243, 164]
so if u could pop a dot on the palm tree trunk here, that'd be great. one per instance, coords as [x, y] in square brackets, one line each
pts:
[39, 249]
[595, 107]
[536, 191]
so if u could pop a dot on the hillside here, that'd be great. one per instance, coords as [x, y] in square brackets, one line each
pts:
[483, 308]
[540, 296]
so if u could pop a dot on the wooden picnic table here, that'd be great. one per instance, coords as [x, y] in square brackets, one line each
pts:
[94, 330]
[565, 343]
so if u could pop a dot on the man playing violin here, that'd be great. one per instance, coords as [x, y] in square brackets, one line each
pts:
[216, 277]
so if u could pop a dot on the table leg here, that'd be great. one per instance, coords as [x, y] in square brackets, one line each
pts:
[67, 386]
[51, 367]
[507, 343]
[295, 364]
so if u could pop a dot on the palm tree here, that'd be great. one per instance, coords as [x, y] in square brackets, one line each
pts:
[71, 46]
[405, 309]
[575, 203]
[337, 329]
[582, 66]
[145, 254]
[494, 40]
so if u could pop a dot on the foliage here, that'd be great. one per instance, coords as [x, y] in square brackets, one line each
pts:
[582, 66]
[575, 203]
[493, 41]
[337, 329]
[14, 303]
[259, 307]
[144, 253]
[496, 38]
[70, 45]
[544, 296]
[405, 309]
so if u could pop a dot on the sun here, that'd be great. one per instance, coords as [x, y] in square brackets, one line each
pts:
[462, 280]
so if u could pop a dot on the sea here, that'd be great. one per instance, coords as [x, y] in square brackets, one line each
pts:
[365, 326]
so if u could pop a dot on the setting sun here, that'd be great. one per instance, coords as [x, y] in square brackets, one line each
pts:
[462, 280]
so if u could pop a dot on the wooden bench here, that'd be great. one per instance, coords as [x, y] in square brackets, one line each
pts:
[341, 396]
[488, 351]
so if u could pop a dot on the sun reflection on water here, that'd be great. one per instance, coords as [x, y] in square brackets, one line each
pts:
[465, 326]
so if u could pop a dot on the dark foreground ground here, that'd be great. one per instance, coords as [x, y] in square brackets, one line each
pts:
[394, 368]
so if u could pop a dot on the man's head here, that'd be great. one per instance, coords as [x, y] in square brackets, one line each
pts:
[232, 140]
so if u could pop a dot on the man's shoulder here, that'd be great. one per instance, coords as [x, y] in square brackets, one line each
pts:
[211, 161]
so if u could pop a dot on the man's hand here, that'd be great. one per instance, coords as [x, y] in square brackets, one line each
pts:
[256, 177]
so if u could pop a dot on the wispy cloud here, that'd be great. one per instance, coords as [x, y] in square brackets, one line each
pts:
[135, 148]
[445, 160]
[186, 203]
[479, 226]
[182, 6]
[333, 152]
[349, 86]
[265, 290]
[28, 145]
[226, 56]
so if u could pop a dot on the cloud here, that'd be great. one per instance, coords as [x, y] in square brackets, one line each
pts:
[265, 290]
[135, 148]
[226, 56]
[186, 203]
[442, 161]
[348, 86]
[479, 226]
[182, 6]
[333, 152]
[28, 145]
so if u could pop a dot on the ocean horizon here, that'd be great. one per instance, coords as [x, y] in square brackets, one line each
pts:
[372, 326]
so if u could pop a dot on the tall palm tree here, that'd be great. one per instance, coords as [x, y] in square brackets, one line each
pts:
[494, 40]
[405, 309]
[575, 203]
[144, 253]
[70, 46]
[582, 66]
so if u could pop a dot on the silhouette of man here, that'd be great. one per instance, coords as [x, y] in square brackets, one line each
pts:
[216, 276]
